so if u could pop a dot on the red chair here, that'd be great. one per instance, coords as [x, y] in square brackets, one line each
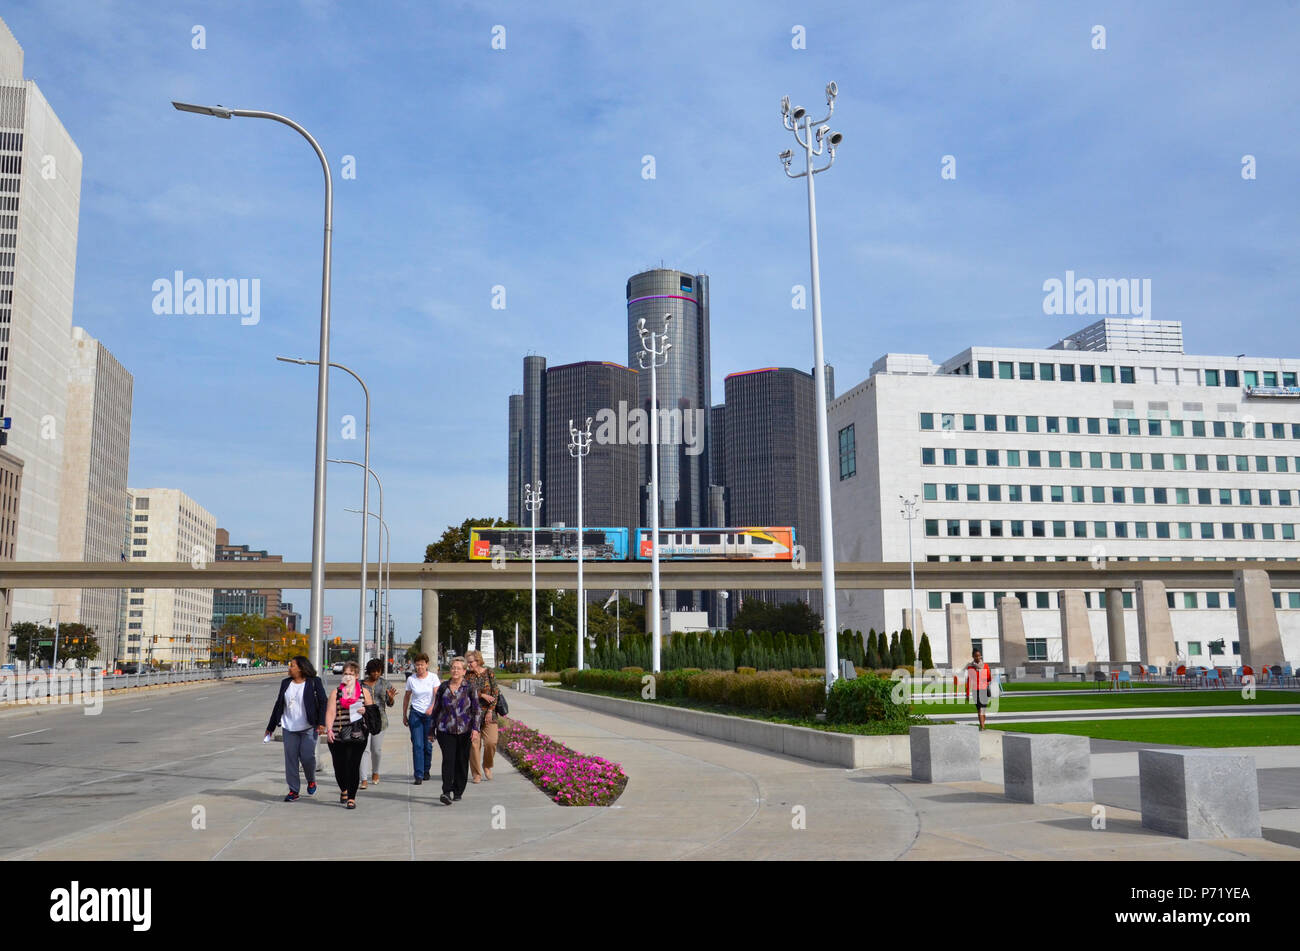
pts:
[1181, 674]
[1248, 672]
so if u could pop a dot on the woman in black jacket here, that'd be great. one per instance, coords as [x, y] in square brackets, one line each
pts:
[300, 712]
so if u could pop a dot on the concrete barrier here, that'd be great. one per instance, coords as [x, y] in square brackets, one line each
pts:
[945, 754]
[819, 746]
[1199, 794]
[1047, 767]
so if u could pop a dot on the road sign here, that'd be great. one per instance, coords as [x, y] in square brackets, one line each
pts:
[327, 626]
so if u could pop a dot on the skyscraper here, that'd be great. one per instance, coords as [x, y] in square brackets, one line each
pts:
[97, 440]
[610, 490]
[683, 384]
[532, 447]
[683, 400]
[514, 483]
[40, 192]
[771, 461]
[227, 601]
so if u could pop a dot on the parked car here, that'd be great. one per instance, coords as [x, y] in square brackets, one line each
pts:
[130, 668]
[337, 668]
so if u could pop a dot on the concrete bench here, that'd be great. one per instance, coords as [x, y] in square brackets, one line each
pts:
[945, 754]
[1199, 794]
[1046, 767]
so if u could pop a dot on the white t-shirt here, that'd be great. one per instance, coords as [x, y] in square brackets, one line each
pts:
[422, 691]
[295, 714]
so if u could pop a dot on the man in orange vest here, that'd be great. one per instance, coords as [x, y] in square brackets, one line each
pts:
[978, 672]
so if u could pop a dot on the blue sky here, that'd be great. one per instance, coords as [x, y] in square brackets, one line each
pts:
[522, 167]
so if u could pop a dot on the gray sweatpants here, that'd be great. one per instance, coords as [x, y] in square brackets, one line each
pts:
[374, 746]
[299, 747]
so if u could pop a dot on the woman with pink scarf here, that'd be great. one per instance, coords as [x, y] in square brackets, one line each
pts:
[346, 732]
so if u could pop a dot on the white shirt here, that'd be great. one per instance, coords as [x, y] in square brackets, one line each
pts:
[295, 714]
[422, 691]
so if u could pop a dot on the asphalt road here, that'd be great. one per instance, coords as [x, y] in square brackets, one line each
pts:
[64, 771]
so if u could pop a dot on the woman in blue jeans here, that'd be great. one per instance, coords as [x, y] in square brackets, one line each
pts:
[417, 715]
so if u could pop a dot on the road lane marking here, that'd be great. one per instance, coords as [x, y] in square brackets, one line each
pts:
[141, 710]
[31, 733]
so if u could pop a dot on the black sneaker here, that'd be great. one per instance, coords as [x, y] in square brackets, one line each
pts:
[455, 798]
[445, 799]
[418, 780]
[427, 776]
[292, 797]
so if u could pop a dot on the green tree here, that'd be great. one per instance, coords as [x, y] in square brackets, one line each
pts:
[895, 651]
[36, 641]
[927, 663]
[908, 647]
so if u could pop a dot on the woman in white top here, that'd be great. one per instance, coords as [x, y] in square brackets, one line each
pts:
[300, 712]
[416, 715]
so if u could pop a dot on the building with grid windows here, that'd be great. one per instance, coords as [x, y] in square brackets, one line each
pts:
[1071, 454]
[175, 625]
[40, 193]
[264, 602]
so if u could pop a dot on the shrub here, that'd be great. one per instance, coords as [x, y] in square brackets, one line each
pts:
[632, 670]
[908, 648]
[865, 700]
[746, 670]
[927, 662]
[895, 651]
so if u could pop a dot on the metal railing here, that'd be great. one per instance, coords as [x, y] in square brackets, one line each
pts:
[68, 683]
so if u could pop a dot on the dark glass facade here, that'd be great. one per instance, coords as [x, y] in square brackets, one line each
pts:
[771, 461]
[514, 480]
[610, 487]
[532, 443]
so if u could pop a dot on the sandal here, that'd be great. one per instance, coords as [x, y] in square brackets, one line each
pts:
[363, 784]
[352, 803]
[343, 797]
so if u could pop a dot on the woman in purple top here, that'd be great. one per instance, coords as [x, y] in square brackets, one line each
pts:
[456, 719]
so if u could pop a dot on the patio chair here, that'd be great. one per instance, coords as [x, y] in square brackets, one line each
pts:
[1181, 674]
[1244, 671]
[1213, 678]
[1125, 680]
[1099, 677]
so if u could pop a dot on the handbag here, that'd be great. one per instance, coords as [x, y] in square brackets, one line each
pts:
[502, 708]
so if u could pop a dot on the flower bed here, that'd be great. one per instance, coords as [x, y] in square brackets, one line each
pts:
[568, 777]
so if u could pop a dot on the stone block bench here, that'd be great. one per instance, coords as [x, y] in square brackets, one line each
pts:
[1199, 794]
[1046, 767]
[945, 754]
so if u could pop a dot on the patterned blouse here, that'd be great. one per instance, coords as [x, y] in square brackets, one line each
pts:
[456, 710]
[484, 683]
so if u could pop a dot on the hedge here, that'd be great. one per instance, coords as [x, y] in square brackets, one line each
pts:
[867, 699]
[774, 691]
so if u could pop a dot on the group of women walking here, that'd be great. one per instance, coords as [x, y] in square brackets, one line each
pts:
[460, 712]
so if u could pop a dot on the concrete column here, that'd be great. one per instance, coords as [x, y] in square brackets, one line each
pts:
[1076, 632]
[907, 623]
[1116, 636]
[1257, 629]
[1155, 627]
[429, 622]
[1011, 635]
[958, 635]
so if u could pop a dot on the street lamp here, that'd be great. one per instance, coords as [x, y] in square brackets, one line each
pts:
[826, 141]
[365, 509]
[654, 354]
[387, 538]
[909, 512]
[579, 446]
[322, 378]
[365, 498]
[533, 502]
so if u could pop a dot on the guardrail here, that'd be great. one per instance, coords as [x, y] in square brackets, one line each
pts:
[69, 683]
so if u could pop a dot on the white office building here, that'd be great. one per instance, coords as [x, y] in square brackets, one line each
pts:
[96, 447]
[40, 192]
[1105, 450]
[174, 625]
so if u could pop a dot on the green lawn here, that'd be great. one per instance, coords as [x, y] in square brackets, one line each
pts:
[1119, 699]
[1185, 731]
[1070, 685]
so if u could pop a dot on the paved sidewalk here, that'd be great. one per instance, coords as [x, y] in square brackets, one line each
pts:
[689, 797]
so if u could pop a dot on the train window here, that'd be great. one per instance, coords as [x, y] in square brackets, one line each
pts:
[758, 540]
[711, 539]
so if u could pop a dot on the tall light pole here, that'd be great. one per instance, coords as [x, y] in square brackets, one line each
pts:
[365, 510]
[365, 498]
[797, 121]
[579, 446]
[909, 512]
[654, 354]
[387, 537]
[533, 502]
[322, 378]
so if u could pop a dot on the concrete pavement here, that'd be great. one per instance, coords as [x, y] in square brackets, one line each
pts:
[192, 780]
